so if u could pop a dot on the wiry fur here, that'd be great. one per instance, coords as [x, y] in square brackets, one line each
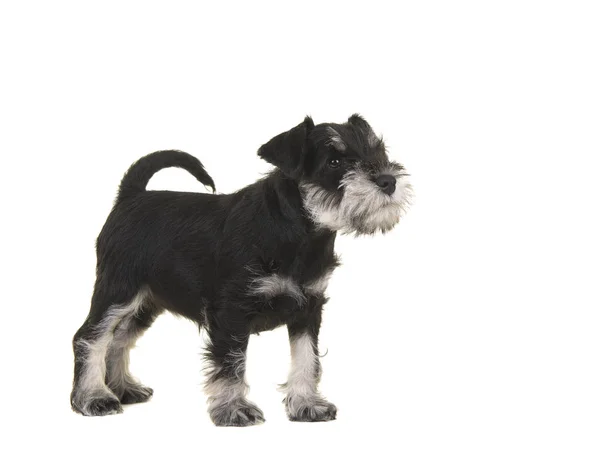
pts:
[227, 401]
[362, 209]
[236, 264]
[302, 400]
[105, 359]
[271, 286]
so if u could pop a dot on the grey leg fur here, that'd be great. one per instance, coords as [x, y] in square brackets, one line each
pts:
[118, 378]
[226, 385]
[303, 402]
[101, 360]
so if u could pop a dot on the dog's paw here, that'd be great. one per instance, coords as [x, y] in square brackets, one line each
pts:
[99, 406]
[136, 394]
[309, 409]
[239, 413]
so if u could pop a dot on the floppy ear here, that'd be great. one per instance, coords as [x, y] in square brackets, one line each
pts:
[287, 150]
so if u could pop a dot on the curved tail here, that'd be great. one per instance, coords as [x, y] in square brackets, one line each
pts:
[140, 172]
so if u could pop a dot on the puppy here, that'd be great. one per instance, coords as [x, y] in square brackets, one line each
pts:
[235, 264]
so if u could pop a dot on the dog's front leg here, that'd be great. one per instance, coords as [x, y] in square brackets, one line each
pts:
[303, 402]
[226, 384]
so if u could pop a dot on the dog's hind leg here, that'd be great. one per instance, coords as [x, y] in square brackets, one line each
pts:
[226, 384]
[130, 328]
[91, 396]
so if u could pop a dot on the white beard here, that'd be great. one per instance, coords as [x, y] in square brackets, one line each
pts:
[364, 208]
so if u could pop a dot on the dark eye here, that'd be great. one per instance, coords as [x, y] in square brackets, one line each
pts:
[334, 163]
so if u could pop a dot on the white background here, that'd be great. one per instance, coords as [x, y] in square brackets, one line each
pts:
[473, 325]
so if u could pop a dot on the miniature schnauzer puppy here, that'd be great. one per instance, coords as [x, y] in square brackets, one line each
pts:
[235, 264]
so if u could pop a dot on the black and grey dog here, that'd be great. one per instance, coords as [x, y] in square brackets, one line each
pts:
[235, 264]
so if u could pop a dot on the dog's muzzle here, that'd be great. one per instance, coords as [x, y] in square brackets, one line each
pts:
[367, 200]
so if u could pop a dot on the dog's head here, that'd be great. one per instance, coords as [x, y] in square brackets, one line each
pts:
[347, 182]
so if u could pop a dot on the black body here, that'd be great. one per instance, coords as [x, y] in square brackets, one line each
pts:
[199, 252]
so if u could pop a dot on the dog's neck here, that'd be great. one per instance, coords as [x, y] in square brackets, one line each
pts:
[283, 194]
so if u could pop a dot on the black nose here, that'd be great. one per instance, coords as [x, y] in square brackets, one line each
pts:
[387, 183]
